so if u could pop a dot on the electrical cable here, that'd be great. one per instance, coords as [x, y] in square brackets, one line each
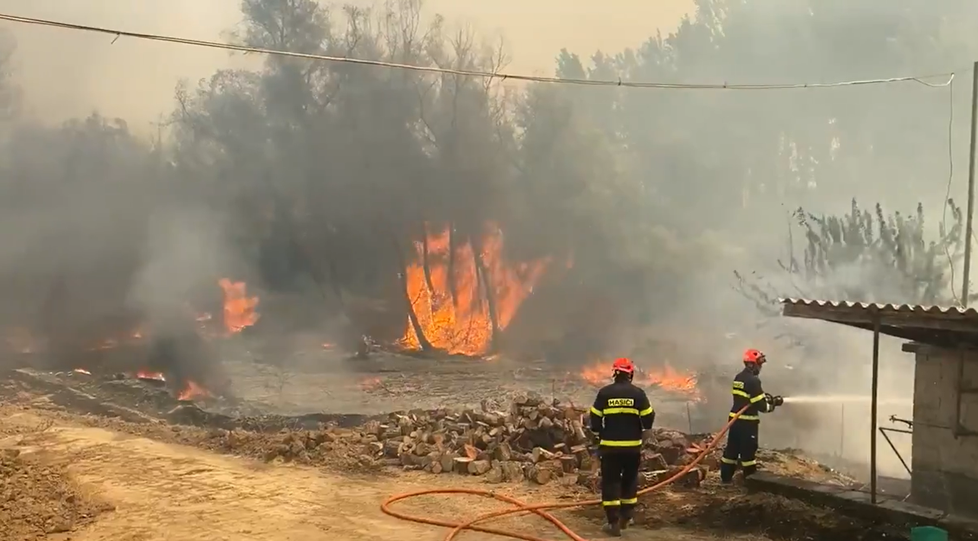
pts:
[950, 179]
[523, 507]
[468, 73]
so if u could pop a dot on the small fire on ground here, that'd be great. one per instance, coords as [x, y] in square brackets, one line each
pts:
[193, 391]
[146, 374]
[666, 378]
[239, 312]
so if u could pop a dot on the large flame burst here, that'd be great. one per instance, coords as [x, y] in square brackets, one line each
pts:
[456, 310]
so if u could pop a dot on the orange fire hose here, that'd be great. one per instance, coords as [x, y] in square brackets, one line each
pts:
[522, 507]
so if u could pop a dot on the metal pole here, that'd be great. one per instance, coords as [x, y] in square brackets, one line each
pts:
[971, 188]
[874, 407]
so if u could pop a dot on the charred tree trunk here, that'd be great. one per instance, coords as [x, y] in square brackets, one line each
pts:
[452, 288]
[485, 282]
[424, 257]
[402, 276]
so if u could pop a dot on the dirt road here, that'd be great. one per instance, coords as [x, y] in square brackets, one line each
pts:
[169, 492]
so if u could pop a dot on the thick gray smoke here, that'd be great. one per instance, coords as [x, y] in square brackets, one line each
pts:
[186, 251]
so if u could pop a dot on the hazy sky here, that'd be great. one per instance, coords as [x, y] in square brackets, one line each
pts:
[66, 73]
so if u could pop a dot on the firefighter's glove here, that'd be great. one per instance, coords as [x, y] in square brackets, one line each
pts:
[771, 401]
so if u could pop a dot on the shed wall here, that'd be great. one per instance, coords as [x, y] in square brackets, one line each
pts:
[945, 430]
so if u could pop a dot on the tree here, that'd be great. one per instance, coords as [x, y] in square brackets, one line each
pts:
[361, 163]
[716, 160]
[865, 257]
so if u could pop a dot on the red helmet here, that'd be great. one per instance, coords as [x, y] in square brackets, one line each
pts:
[754, 356]
[623, 365]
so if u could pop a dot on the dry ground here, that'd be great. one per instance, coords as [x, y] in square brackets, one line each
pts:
[39, 499]
[152, 490]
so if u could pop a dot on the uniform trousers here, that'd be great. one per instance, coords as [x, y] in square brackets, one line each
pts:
[619, 482]
[741, 450]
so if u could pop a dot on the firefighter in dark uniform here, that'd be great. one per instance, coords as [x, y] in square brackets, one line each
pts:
[619, 416]
[741, 447]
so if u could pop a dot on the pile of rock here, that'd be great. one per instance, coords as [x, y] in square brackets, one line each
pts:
[539, 440]
[542, 441]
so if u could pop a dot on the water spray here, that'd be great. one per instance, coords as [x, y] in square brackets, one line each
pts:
[840, 399]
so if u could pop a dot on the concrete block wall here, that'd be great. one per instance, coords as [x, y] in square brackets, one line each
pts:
[945, 465]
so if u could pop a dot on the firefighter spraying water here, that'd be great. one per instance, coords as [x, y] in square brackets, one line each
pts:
[750, 399]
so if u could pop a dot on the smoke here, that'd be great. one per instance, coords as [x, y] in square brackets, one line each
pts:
[134, 79]
[184, 255]
[315, 182]
[128, 79]
[185, 252]
[835, 375]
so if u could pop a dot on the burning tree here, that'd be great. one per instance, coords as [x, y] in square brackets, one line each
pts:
[397, 186]
[865, 257]
[460, 296]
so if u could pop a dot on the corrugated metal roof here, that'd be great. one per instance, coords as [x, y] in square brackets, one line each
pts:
[882, 308]
[942, 326]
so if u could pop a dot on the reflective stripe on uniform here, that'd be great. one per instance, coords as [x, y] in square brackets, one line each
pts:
[633, 411]
[753, 399]
[596, 411]
[612, 411]
[726, 460]
[746, 417]
[747, 463]
[611, 503]
[629, 501]
[621, 443]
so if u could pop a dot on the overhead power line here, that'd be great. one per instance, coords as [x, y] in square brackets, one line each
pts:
[469, 73]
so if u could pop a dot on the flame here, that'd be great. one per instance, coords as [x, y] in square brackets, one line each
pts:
[464, 326]
[671, 380]
[239, 309]
[667, 378]
[327, 345]
[82, 371]
[192, 390]
[146, 374]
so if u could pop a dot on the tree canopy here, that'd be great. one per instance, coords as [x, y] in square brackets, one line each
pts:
[304, 175]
